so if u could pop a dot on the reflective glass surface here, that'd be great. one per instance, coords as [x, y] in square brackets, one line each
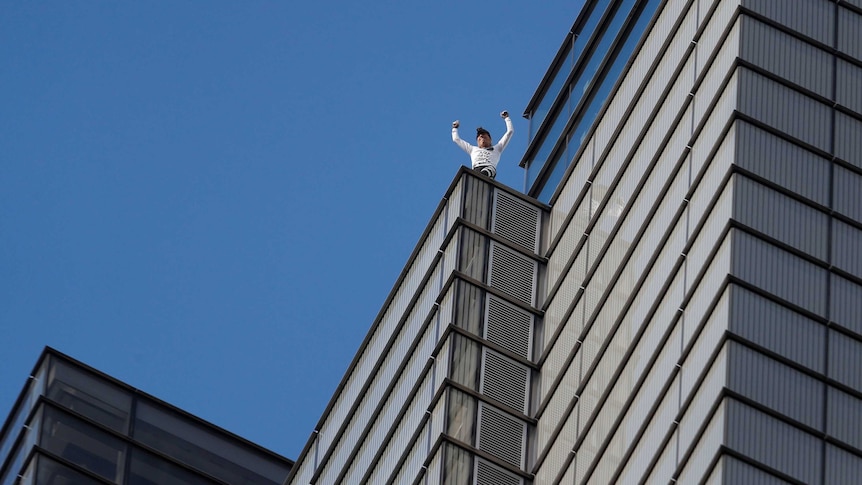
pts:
[83, 444]
[541, 111]
[33, 390]
[82, 392]
[591, 99]
[47, 471]
[148, 469]
[16, 422]
[458, 465]
[461, 417]
[31, 436]
[201, 448]
[576, 50]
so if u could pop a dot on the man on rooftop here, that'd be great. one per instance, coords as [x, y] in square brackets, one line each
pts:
[486, 156]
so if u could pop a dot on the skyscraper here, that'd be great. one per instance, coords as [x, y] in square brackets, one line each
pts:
[678, 296]
[75, 425]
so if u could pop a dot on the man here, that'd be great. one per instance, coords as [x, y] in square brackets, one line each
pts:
[485, 157]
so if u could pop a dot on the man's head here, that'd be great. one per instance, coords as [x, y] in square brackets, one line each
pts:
[483, 138]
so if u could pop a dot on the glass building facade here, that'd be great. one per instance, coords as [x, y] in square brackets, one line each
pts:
[675, 298]
[74, 425]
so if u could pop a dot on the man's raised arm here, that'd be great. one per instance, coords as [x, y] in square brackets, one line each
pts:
[457, 139]
[510, 130]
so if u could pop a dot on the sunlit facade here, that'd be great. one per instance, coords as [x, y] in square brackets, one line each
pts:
[74, 425]
[677, 297]
[701, 313]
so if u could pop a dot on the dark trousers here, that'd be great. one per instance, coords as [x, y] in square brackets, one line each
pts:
[487, 171]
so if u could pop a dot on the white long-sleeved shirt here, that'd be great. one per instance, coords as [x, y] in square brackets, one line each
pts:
[483, 157]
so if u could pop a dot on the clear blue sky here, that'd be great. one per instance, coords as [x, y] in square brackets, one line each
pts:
[211, 200]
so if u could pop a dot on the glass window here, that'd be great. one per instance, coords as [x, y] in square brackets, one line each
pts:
[88, 395]
[459, 465]
[15, 464]
[193, 444]
[469, 308]
[33, 389]
[82, 444]
[148, 469]
[473, 254]
[13, 430]
[465, 361]
[540, 159]
[461, 417]
[563, 70]
[597, 98]
[477, 197]
[575, 49]
[48, 471]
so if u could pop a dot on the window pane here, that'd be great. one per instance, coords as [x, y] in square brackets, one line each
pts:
[597, 97]
[191, 443]
[465, 361]
[31, 435]
[148, 469]
[461, 419]
[473, 250]
[459, 464]
[469, 308]
[89, 395]
[83, 444]
[51, 472]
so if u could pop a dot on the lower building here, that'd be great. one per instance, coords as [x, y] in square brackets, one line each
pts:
[74, 425]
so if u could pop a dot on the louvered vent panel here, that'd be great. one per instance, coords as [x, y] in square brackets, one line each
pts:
[505, 380]
[501, 435]
[509, 327]
[516, 221]
[489, 474]
[512, 273]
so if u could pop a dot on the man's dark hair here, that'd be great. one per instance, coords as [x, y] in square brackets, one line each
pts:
[482, 131]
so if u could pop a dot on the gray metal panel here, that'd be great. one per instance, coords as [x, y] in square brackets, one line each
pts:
[737, 471]
[848, 192]
[486, 473]
[501, 435]
[777, 328]
[849, 85]
[845, 306]
[849, 26]
[786, 56]
[512, 273]
[845, 360]
[779, 272]
[516, 221]
[774, 443]
[509, 327]
[844, 417]
[841, 466]
[505, 380]
[770, 382]
[846, 243]
[810, 17]
[785, 219]
[785, 109]
[782, 162]
[848, 143]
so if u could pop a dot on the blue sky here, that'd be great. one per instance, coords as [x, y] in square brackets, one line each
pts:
[211, 200]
